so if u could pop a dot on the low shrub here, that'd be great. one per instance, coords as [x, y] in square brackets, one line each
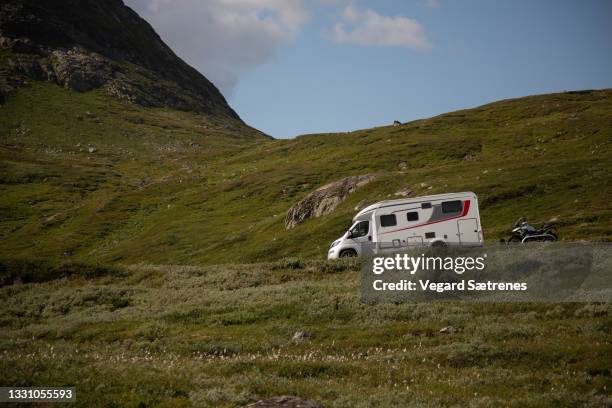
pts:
[341, 265]
[288, 263]
[36, 271]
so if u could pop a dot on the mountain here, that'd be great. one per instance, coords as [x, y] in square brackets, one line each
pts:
[169, 174]
[87, 44]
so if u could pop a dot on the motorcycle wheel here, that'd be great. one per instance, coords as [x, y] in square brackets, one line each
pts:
[514, 239]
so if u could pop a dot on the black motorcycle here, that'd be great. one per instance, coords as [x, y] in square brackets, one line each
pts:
[525, 232]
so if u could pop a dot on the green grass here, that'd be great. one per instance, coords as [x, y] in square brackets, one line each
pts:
[172, 187]
[223, 336]
[95, 194]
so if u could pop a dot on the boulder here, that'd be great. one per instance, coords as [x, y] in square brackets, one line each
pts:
[285, 402]
[325, 199]
[450, 330]
[301, 336]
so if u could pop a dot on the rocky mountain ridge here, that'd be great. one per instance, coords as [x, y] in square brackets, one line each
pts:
[89, 44]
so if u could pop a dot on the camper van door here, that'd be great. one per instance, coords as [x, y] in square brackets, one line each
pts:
[361, 234]
[468, 231]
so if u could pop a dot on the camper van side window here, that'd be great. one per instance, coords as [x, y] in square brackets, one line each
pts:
[388, 220]
[452, 206]
[412, 216]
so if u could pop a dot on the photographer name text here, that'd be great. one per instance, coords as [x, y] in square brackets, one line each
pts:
[411, 265]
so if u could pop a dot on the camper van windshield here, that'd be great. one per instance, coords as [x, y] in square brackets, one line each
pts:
[360, 229]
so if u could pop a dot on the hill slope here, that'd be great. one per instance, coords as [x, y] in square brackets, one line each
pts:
[89, 177]
[136, 157]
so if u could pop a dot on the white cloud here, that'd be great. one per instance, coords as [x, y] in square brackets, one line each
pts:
[366, 27]
[220, 38]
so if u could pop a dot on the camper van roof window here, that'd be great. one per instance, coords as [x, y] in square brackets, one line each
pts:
[388, 220]
[452, 206]
[426, 205]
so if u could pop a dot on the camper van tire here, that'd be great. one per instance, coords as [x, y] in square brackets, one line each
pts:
[348, 253]
[439, 244]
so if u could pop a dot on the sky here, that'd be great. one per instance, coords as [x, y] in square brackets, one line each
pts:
[292, 67]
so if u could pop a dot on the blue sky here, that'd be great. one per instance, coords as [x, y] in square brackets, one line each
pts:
[291, 67]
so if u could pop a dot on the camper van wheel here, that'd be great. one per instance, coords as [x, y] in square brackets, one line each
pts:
[439, 245]
[348, 253]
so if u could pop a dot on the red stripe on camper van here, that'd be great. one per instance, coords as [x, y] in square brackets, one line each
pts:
[466, 209]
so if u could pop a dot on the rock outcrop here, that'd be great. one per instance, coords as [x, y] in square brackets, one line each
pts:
[89, 44]
[285, 402]
[80, 70]
[325, 199]
[405, 192]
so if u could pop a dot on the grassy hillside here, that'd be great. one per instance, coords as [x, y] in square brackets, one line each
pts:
[223, 336]
[89, 178]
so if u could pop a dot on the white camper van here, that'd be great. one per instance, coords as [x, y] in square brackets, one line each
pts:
[390, 226]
